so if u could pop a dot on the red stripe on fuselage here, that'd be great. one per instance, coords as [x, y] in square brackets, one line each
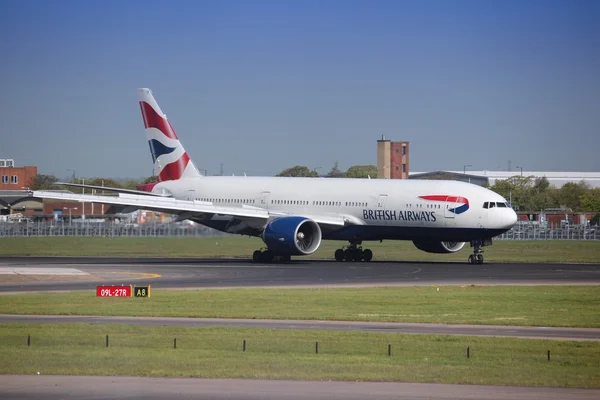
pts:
[443, 197]
[174, 170]
[153, 120]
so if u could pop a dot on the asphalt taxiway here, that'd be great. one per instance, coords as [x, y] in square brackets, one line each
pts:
[529, 332]
[214, 273]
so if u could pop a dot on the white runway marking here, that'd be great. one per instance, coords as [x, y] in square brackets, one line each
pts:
[41, 271]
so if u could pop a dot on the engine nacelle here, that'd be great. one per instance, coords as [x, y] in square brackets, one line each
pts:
[292, 235]
[439, 247]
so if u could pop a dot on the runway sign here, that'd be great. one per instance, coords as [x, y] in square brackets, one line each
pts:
[142, 291]
[113, 291]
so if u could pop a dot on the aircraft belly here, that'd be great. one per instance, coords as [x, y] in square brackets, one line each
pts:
[370, 232]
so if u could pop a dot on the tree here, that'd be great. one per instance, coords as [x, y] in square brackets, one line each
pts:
[150, 179]
[298, 171]
[438, 176]
[590, 200]
[43, 182]
[361, 171]
[131, 184]
[570, 195]
[335, 172]
[106, 182]
[527, 193]
[541, 184]
[514, 188]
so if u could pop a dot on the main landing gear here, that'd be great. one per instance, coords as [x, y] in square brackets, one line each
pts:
[477, 256]
[353, 252]
[268, 256]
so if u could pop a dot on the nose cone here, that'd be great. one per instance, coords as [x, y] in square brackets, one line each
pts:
[511, 219]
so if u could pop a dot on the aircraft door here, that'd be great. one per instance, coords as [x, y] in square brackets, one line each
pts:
[264, 200]
[450, 204]
[381, 201]
[191, 195]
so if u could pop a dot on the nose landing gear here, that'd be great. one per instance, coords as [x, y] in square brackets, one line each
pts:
[477, 256]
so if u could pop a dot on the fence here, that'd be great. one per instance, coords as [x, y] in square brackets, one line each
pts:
[88, 228]
[522, 231]
[535, 231]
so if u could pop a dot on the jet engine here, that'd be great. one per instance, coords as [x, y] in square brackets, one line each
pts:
[439, 247]
[292, 235]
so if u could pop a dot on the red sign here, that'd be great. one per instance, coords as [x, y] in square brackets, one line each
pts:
[113, 291]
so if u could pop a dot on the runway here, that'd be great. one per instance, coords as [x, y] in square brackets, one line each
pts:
[100, 387]
[527, 332]
[219, 273]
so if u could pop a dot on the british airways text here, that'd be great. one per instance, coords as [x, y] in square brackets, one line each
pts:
[392, 215]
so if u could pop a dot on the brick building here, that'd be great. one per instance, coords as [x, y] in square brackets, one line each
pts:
[556, 218]
[392, 159]
[15, 178]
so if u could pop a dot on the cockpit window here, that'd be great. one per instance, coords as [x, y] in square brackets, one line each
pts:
[492, 204]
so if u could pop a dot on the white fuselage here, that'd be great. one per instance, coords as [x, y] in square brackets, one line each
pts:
[379, 209]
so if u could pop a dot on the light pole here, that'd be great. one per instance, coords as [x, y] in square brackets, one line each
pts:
[70, 215]
[73, 171]
[521, 168]
[465, 168]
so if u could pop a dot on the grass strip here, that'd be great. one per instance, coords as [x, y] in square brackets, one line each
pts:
[549, 251]
[561, 306]
[80, 349]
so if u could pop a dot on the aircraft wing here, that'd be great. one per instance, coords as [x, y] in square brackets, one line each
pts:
[187, 208]
[160, 204]
[111, 189]
[323, 219]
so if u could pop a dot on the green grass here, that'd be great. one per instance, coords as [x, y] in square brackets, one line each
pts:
[279, 354]
[569, 306]
[559, 251]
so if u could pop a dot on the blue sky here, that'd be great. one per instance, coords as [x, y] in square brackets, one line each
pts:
[263, 85]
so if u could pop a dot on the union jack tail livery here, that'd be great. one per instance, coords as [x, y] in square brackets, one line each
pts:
[171, 162]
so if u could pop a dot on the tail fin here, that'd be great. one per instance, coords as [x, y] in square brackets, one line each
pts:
[170, 159]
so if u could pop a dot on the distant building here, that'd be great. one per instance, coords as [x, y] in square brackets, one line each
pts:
[392, 159]
[21, 202]
[556, 179]
[451, 176]
[15, 178]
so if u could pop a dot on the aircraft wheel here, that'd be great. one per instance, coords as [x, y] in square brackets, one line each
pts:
[339, 255]
[257, 256]
[367, 255]
[348, 255]
[471, 259]
[479, 258]
[358, 255]
[267, 256]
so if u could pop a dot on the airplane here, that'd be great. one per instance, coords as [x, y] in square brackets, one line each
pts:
[293, 215]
